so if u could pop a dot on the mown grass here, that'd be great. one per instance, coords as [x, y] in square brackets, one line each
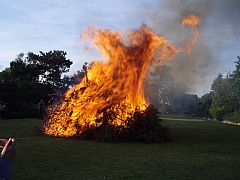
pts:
[198, 150]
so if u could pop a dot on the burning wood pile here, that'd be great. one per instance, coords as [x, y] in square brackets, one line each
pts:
[109, 104]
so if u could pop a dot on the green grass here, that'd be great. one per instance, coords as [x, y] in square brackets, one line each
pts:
[198, 150]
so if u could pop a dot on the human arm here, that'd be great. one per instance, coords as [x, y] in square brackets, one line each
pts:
[7, 154]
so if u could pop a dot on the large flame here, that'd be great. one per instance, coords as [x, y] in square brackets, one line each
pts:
[115, 83]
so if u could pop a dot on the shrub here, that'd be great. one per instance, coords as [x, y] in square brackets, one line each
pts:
[141, 126]
[232, 117]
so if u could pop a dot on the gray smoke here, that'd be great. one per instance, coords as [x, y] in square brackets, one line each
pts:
[217, 39]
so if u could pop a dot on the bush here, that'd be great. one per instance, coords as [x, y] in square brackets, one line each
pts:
[24, 111]
[142, 126]
[232, 117]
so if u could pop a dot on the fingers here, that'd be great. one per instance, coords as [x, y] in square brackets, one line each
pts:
[9, 149]
[11, 143]
[14, 143]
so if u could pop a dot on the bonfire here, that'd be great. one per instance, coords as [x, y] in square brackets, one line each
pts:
[109, 104]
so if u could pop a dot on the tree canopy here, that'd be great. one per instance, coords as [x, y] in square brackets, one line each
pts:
[32, 77]
[46, 68]
[165, 93]
[224, 98]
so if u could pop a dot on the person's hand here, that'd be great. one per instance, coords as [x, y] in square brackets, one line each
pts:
[9, 149]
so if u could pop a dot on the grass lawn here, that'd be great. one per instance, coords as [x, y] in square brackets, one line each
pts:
[198, 150]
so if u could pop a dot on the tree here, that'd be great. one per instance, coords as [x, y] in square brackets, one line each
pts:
[54, 64]
[203, 105]
[217, 81]
[8, 87]
[164, 92]
[46, 68]
[236, 74]
[32, 77]
[26, 68]
[225, 94]
[162, 82]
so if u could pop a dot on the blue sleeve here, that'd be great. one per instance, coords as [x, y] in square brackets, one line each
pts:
[6, 168]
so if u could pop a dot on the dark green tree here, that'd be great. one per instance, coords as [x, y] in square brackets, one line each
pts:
[162, 82]
[8, 87]
[203, 105]
[46, 68]
[26, 67]
[226, 94]
[165, 93]
[236, 73]
[217, 82]
[55, 64]
[32, 77]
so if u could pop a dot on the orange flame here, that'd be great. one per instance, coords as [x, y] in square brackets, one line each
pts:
[115, 83]
[192, 21]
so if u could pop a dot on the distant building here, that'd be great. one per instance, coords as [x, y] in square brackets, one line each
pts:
[179, 103]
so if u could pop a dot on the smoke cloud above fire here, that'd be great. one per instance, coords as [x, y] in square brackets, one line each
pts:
[215, 45]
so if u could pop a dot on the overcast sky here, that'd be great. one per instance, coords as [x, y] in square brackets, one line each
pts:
[43, 25]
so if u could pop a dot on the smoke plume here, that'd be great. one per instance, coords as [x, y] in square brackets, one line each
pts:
[216, 40]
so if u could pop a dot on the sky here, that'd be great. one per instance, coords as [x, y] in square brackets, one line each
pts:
[43, 25]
